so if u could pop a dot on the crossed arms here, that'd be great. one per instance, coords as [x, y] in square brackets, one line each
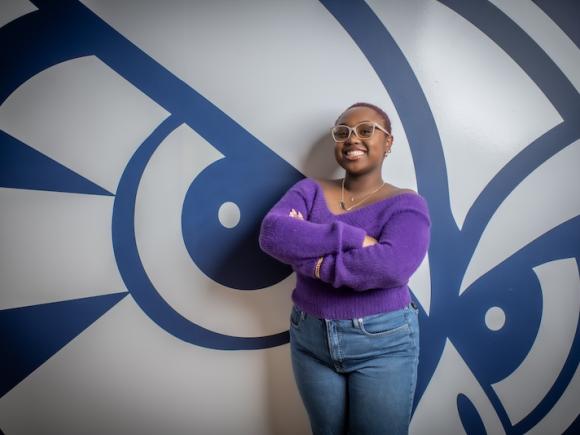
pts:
[350, 257]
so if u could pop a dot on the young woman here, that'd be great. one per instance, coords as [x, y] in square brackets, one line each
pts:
[354, 243]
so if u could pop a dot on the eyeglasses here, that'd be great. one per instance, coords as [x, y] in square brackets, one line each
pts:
[364, 130]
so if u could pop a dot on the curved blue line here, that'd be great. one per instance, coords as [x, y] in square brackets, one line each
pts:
[73, 30]
[512, 174]
[565, 14]
[469, 416]
[33, 43]
[524, 51]
[76, 31]
[398, 78]
[554, 84]
[554, 394]
[134, 274]
[158, 83]
[566, 237]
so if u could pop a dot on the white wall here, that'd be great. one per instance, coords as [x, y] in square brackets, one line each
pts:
[104, 285]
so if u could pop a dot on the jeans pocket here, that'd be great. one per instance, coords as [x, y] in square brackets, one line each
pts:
[386, 324]
[296, 317]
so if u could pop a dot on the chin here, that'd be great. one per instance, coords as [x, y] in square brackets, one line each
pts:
[360, 170]
[356, 170]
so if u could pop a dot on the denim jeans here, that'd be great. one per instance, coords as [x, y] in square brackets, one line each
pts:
[357, 376]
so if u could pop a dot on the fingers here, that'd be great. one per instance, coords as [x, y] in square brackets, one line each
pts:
[369, 241]
[296, 214]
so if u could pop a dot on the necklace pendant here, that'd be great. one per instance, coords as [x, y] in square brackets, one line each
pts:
[342, 205]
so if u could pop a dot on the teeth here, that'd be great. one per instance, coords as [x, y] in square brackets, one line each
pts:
[355, 153]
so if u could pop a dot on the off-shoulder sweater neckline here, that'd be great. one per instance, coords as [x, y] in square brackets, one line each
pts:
[322, 199]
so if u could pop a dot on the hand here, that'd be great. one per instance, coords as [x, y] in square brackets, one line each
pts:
[369, 241]
[296, 214]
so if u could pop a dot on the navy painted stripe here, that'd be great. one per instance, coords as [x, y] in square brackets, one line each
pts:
[398, 78]
[135, 276]
[67, 29]
[574, 428]
[524, 51]
[73, 30]
[561, 242]
[512, 174]
[569, 368]
[31, 335]
[178, 98]
[555, 85]
[470, 418]
[31, 44]
[23, 167]
[566, 14]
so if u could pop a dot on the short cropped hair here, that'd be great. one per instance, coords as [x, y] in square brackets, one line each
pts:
[377, 109]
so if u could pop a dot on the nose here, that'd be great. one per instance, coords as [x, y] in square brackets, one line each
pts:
[352, 138]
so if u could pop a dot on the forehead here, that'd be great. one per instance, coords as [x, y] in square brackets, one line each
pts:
[359, 114]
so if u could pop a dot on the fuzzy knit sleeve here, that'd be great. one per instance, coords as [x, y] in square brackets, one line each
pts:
[402, 246]
[293, 241]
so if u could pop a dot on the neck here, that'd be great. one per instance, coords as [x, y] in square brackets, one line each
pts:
[359, 184]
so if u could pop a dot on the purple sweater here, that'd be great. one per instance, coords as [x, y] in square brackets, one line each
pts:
[354, 281]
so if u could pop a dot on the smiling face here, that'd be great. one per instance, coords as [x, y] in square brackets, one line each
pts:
[360, 156]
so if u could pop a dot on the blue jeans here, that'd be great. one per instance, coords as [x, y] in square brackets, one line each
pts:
[357, 376]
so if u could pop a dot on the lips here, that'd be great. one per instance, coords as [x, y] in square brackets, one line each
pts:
[354, 153]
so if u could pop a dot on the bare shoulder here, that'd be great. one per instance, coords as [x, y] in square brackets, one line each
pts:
[392, 190]
[404, 190]
[327, 185]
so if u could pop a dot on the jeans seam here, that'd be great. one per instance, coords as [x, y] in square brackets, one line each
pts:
[331, 334]
[384, 333]
[340, 354]
[413, 384]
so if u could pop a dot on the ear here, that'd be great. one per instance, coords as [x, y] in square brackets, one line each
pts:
[388, 143]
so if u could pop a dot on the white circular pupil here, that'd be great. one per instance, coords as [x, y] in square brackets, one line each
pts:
[229, 214]
[495, 318]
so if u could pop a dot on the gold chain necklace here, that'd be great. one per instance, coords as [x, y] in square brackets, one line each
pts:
[343, 205]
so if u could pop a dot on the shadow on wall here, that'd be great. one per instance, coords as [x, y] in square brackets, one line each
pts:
[320, 161]
[286, 413]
